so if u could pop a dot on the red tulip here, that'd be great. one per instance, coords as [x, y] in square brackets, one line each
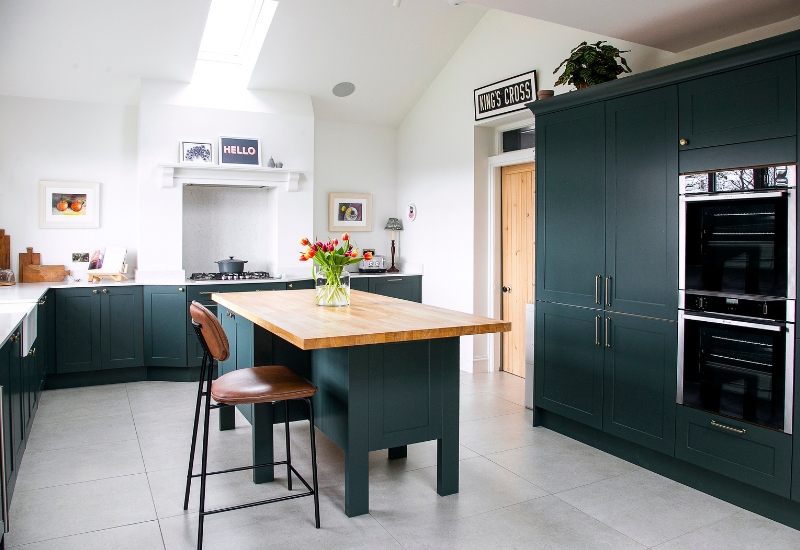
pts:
[347, 254]
[304, 241]
[319, 244]
[350, 247]
[368, 256]
[313, 247]
[310, 253]
[335, 242]
[345, 237]
[303, 258]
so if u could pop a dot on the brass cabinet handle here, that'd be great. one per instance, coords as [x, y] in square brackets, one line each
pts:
[290, 285]
[724, 427]
[684, 142]
[41, 302]
[608, 296]
[32, 352]
[597, 289]
[393, 280]
[206, 293]
[597, 330]
[180, 289]
[608, 319]
[105, 291]
[94, 291]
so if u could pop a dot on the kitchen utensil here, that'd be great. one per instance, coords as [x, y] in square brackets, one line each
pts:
[5, 250]
[44, 273]
[7, 277]
[28, 258]
[231, 265]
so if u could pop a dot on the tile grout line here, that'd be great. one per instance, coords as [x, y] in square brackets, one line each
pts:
[693, 530]
[22, 546]
[149, 487]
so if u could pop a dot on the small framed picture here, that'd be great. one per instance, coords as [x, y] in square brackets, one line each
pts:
[195, 152]
[239, 151]
[349, 212]
[69, 205]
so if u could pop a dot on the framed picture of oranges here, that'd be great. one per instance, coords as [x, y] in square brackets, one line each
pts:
[69, 205]
[349, 212]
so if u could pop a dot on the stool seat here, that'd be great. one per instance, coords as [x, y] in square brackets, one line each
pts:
[260, 385]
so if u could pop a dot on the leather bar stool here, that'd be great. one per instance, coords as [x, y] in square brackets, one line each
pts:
[268, 384]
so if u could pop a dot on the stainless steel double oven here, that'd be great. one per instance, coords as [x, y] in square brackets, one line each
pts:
[737, 280]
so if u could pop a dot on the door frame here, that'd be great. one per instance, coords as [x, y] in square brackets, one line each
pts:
[494, 282]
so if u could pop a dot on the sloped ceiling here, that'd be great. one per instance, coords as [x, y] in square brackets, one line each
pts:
[673, 26]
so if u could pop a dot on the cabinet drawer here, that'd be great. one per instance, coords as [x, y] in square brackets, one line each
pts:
[404, 288]
[749, 104]
[751, 454]
[305, 284]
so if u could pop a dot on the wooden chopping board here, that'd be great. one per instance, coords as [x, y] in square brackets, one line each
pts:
[44, 273]
[5, 250]
[28, 258]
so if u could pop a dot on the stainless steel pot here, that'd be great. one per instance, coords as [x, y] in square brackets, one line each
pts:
[230, 265]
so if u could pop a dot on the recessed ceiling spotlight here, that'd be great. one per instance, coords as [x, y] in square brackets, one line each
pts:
[343, 89]
[396, 3]
[456, 2]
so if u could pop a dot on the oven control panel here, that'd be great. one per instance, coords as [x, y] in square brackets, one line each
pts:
[764, 308]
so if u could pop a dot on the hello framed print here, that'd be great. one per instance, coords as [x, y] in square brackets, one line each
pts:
[349, 212]
[69, 205]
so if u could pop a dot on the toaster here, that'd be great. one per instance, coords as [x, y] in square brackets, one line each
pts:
[376, 265]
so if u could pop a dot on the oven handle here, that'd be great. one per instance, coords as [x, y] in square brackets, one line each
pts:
[734, 196]
[744, 324]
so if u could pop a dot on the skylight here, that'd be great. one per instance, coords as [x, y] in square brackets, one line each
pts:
[234, 34]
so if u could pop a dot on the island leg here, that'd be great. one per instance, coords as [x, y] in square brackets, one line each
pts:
[447, 446]
[227, 418]
[398, 452]
[356, 456]
[262, 420]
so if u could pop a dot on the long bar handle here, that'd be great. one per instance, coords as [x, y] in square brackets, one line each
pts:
[206, 293]
[608, 296]
[717, 321]
[597, 290]
[724, 427]
[597, 330]
[3, 478]
[608, 320]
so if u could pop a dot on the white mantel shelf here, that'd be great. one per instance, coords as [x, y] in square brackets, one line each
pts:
[232, 176]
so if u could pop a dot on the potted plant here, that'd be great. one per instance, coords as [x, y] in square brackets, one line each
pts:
[590, 64]
[331, 280]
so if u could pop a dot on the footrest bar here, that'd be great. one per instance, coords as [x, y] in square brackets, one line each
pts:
[242, 468]
[251, 504]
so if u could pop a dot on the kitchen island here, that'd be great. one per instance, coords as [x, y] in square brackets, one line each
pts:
[387, 372]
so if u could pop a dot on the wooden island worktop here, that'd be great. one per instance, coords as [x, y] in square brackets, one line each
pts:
[369, 319]
[387, 373]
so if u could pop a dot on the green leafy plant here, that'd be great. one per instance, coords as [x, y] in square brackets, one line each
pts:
[590, 64]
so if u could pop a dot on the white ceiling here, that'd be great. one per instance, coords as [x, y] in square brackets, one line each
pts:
[390, 54]
[673, 25]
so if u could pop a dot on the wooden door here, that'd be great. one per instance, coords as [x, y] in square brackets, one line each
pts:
[518, 259]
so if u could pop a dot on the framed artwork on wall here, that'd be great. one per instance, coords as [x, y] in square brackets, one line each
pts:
[69, 205]
[349, 212]
[193, 152]
[239, 151]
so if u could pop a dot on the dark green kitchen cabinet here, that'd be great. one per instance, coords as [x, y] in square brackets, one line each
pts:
[404, 288]
[241, 344]
[641, 250]
[742, 451]
[304, 284]
[359, 283]
[796, 425]
[640, 380]
[78, 336]
[165, 337]
[570, 212]
[121, 327]
[10, 381]
[568, 370]
[748, 104]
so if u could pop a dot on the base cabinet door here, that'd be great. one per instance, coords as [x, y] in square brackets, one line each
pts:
[121, 334]
[165, 338]
[404, 288]
[9, 432]
[78, 330]
[568, 362]
[358, 283]
[796, 426]
[751, 454]
[640, 379]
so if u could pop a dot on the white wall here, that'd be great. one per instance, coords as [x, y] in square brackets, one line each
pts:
[357, 158]
[45, 139]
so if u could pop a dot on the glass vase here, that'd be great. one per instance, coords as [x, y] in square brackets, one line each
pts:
[332, 285]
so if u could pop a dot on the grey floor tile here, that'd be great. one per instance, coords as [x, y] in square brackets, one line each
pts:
[474, 406]
[500, 433]
[488, 381]
[411, 499]
[557, 463]
[647, 507]
[467, 389]
[80, 432]
[81, 403]
[153, 396]
[281, 525]
[420, 455]
[44, 514]
[741, 531]
[174, 421]
[515, 395]
[543, 523]
[41, 469]
[139, 536]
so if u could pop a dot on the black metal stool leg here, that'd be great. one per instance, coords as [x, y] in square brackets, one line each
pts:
[313, 461]
[204, 464]
[288, 446]
[194, 431]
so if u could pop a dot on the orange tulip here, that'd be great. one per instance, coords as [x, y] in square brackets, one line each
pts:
[354, 253]
[335, 242]
[310, 253]
[368, 256]
[303, 258]
[304, 241]
[345, 237]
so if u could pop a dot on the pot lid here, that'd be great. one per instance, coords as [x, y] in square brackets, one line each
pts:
[230, 259]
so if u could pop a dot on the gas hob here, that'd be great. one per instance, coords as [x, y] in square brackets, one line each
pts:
[246, 275]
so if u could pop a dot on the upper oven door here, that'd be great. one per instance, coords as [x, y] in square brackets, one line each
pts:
[739, 243]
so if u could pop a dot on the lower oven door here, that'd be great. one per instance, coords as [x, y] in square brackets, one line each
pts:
[740, 369]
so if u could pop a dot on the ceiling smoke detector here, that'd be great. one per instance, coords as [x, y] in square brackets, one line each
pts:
[343, 89]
